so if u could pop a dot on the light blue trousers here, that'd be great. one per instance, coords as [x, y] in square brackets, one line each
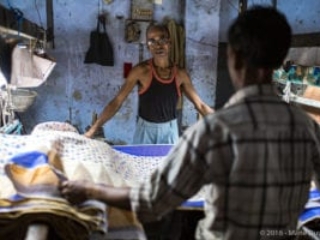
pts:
[156, 133]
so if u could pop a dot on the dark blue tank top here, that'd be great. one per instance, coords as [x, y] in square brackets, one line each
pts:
[158, 103]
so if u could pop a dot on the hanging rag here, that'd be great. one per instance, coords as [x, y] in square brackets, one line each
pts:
[100, 50]
[177, 53]
[30, 69]
[177, 37]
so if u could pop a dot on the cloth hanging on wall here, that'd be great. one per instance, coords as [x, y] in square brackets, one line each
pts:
[29, 69]
[177, 36]
[100, 50]
[177, 52]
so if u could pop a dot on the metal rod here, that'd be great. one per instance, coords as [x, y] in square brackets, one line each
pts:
[37, 231]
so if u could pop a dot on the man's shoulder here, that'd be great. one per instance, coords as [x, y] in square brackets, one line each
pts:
[140, 72]
[143, 64]
[141, 68]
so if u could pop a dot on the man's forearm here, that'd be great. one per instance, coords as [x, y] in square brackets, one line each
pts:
[113, 196]
[205, 110]
[108, 112]
[96, 125]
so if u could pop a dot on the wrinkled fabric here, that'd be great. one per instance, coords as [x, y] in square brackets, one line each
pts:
[17, 214]
[81, 158]
[35, 173]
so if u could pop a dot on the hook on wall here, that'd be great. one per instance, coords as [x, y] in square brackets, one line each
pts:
[107, 1]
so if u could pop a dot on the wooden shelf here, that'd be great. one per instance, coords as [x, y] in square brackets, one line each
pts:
[306, 40]
[27, 30]
[305, 101]
[298, 99]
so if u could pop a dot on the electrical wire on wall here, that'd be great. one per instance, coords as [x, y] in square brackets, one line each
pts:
[38, 13]
[18, 14]
[40, 46]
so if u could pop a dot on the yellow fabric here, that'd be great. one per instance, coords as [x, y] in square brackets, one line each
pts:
[40, 180]
[42, 175]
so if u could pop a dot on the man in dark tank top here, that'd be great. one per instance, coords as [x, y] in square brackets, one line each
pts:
[160, 85]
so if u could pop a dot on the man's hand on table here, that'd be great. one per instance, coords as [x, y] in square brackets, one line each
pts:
[75, 192]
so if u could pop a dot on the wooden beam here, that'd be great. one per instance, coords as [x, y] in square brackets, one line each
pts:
[306, 40]
[37, 231]
[9, 24]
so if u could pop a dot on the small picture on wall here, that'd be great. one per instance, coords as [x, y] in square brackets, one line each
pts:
[135, 30]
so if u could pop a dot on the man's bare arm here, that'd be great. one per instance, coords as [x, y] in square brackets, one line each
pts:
[79, 191]
[190, 92]
[114, 105]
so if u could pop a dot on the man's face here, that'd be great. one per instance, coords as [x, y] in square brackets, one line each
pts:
[158, 42]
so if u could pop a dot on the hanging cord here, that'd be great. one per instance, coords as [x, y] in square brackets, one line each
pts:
[99, 8]
[39, 16]
[101, 11]
[18, 14]
[40, 46]
[102, 16]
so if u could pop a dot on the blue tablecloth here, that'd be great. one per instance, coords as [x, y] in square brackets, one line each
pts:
[144, 150]
[311, 211]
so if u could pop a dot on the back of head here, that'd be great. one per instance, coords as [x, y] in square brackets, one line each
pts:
[260, 37]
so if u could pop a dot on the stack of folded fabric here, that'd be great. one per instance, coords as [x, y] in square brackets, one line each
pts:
[81, 159]
[35, 174]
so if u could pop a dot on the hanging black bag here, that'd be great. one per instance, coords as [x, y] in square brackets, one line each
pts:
[100, 50]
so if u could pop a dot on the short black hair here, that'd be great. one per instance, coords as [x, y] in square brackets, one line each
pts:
[260, 36]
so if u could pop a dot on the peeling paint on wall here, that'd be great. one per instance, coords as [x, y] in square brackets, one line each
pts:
[77, 95]
[201, 51]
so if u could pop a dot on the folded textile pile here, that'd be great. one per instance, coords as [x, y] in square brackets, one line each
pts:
[35, 173]
[86, 159]
[68, 222]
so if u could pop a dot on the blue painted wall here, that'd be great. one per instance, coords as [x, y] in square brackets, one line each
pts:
[75, 90]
